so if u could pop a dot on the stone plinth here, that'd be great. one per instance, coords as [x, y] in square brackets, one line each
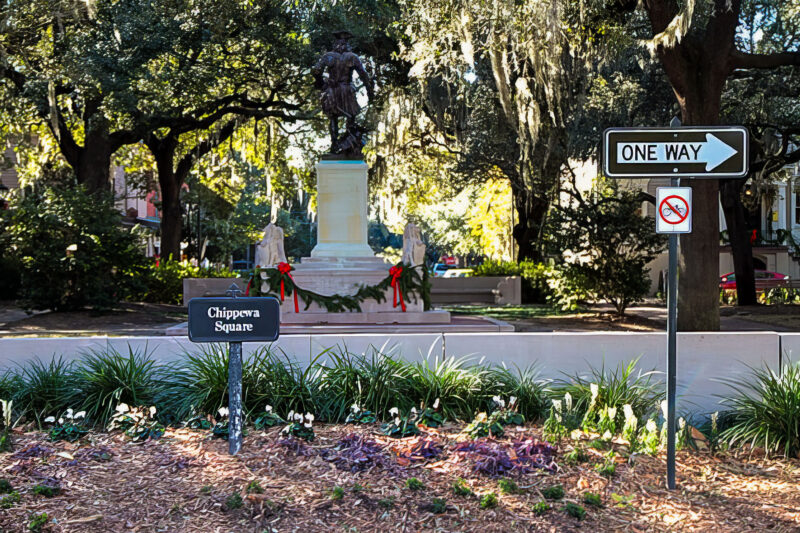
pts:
[341, 210]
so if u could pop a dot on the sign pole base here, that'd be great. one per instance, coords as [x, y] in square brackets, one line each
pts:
[672, 325]
[234, 397]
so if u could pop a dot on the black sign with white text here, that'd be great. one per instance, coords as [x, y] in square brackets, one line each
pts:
[234, 319]
[683, 152]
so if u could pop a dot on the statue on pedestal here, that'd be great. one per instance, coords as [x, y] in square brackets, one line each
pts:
[269, 252]
[413, 247]
[338, 96]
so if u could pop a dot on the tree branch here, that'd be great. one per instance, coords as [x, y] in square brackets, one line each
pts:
[741, 60]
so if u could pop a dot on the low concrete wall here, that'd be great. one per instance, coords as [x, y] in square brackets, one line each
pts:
[703, 358]
[493, 290]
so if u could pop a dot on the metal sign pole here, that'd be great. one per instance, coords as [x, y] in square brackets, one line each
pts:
[672, 324]
[234, 389]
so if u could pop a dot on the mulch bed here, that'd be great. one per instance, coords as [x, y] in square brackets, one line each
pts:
[182, 482]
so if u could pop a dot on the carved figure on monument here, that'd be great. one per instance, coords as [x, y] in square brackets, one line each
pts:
[269, 252]
[338, 96]
[413, 247]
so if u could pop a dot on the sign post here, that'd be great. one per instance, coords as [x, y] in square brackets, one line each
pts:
[234, 320]
[676, 152]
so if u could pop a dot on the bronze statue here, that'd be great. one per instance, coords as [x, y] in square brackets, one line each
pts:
[338, 96]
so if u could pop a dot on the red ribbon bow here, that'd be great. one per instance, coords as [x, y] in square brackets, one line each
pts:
[285, 269]
[395, 272]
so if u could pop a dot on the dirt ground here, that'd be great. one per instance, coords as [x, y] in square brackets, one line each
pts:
[184, 481]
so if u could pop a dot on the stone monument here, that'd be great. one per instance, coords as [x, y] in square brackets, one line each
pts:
[269, 252]
[342, 261]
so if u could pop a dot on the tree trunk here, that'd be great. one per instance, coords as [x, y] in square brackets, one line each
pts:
[94, 161]
[170, 185]
[531, 212]
[741, 249]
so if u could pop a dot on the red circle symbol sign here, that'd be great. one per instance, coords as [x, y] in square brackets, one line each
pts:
[673, 209]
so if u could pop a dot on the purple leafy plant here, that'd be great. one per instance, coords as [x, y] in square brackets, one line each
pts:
[492, 458]
[355, 453]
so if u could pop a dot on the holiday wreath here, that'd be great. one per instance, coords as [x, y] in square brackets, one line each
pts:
[407, 283]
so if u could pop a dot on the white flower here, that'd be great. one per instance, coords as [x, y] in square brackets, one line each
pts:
[557, 405]
[223, 411]
[714, 421]
[394, 411]
[50, 419]
[612, 413]
[81, 414]
[664, 408]
[290, 416]
[60, 420]
[628, 410]
[512, 400]
[308, 425]
[681, 423]
[268, 409]
[397, 421]
[414, 411]
[595, 390]
[436, 404]
[607, 435]
[558, 418]
[123, 408]
[499, 401]
[69, 414]
[355, 408]
[568, 401]
[309, 417]
[651, 426]
[298, 417]
[152, 410]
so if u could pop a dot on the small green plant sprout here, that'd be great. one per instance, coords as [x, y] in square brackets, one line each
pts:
[356, 488]
[401, 427]
[488, 500]
[508, 415]
[575, 510]
[336, 493]
[9, 500]
[485, 426]
[555, 492]
[460, 488]
[608, 467]
[431, 416]
[650, 438]
[300, 426]
[539, 508]
[254, 487]
[386, 503]
[622, 501]
[360, 416]
[413, 483]
[437, 506]
[591, 498]
[507, 486]
[138, 423]
[206, 489]
[631, 427]
[38, 521]
[5, 486]
[576, 455]
[599, 444]
[234, 501]
[683, 435]
[268, 419]
[589, 419]
[48, 491]
[69, 427]
[5, 435]
[606, 425]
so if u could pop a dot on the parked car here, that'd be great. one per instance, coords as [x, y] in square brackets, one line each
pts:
[457, 273]
[728, 281]
[440, 268]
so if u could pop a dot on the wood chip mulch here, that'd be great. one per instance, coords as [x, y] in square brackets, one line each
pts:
[183, 483]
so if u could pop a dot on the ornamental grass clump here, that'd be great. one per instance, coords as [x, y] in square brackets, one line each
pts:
[526, 385]
[107, 378]
[765, 410]
[46, 388]
[458, 385]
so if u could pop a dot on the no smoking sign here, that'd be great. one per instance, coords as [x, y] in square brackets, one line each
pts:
[674, 210]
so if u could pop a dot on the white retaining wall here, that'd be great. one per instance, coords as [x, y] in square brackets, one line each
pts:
[703, 358]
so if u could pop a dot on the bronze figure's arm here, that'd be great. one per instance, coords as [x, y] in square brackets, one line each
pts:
[362, 73]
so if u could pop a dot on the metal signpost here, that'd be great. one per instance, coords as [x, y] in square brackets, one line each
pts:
[712, 152]
[234, 320]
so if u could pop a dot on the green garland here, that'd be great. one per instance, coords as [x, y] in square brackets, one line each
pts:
[413, 282]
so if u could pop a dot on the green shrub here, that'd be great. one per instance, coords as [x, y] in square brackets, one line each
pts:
[488, 500]
[163, 281]
[491, 267]
[9, 500]
[765, 410]
[556, 492]
[438, 506]
[413, 483]
[48, 491]
[107, 378]
[10, 273]
[507, 486]
[45, 388]
[254, 487]
[575, 510]
[535, 276]
[337, 493]
[73, 250]
[458, 386]
[38, 521]
[234, 501]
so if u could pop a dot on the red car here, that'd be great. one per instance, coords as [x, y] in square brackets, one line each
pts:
[728, 281]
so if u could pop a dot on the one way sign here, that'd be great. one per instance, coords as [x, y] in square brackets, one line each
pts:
[689, 152]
